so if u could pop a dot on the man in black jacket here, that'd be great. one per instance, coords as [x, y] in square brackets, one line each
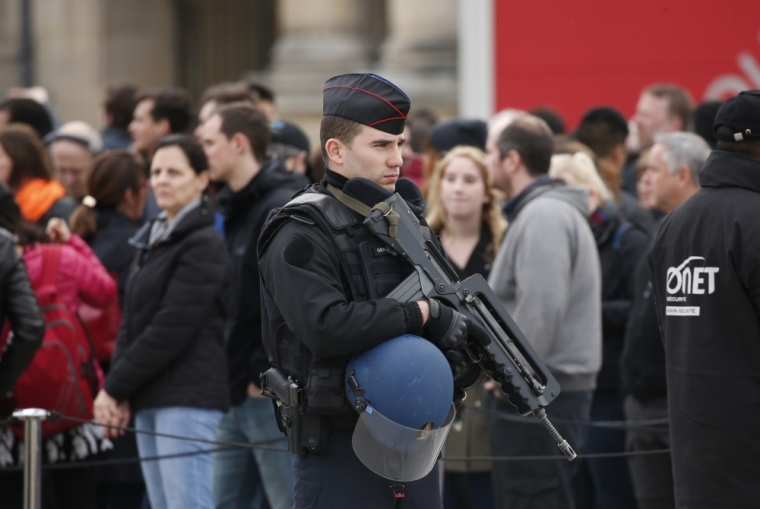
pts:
[706, 279]
[673, 170]
[235, 139]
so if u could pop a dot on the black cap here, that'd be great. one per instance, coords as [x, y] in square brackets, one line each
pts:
[742, 114]
[367, 99]
[289, 134]
[447, 135]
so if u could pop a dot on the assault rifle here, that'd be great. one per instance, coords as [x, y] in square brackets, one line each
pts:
[509, 359]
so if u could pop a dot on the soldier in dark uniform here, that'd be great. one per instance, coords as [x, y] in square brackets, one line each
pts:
[324, 279]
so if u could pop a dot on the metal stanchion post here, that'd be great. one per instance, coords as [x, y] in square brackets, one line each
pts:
[32, 418]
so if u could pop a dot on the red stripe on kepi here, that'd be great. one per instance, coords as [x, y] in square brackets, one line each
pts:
[370, 93]
[385, 120]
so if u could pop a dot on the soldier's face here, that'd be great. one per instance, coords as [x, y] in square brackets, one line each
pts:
[374, 155]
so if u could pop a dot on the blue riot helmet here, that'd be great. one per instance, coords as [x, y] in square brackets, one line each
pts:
[403, 390]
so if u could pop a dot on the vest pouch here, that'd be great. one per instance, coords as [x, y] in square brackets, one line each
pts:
[325, 392]
[383, 269]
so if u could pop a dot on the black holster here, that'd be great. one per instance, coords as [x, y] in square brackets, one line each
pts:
[306, 432]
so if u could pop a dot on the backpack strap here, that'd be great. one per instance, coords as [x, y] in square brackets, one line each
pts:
[618, 240]
[51, 259]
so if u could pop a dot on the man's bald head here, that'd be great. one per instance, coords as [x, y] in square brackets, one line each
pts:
[532, 139]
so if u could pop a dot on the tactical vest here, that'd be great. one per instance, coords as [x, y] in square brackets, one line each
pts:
[371, 270]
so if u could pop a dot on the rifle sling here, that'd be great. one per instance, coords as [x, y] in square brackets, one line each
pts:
[389, 214]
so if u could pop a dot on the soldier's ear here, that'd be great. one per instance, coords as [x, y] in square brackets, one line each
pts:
[336, 150]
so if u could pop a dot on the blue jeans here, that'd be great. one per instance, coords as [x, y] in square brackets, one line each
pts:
[240, 473]
[178, 483]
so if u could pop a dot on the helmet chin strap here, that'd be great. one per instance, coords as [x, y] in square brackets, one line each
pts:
[398, 491]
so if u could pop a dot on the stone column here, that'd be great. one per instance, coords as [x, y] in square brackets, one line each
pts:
[318, 39]
[319, 35]
[80, 46]
[68, 55]
[420, 51]
[141, 42]
[10, 20]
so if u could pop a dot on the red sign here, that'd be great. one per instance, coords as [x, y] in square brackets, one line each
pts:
[576, 55]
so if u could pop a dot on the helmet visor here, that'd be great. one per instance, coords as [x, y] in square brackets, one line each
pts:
[396, 452]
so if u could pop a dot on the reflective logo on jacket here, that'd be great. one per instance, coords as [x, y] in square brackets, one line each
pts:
[687, 280]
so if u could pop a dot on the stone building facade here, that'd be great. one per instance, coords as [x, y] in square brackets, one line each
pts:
[81, 46]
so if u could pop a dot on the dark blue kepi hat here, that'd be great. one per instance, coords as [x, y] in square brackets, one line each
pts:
[367, 99]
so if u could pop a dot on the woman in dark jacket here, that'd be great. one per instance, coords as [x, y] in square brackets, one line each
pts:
[463, 208]
[169, 365]
[621, 247]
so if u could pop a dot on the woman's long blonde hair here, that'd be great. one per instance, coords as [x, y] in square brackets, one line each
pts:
[492, 214]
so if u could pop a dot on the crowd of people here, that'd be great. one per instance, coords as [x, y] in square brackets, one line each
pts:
[150, 226]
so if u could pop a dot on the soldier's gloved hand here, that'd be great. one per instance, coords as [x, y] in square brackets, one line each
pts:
[477, 333]
[466, 373]
[446, 327]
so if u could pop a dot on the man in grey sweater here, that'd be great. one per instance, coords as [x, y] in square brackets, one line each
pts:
[547, 274]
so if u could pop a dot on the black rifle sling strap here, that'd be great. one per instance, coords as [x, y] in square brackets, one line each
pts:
[390, 215]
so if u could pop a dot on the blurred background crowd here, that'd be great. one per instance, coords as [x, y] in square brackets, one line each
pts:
[91, 190]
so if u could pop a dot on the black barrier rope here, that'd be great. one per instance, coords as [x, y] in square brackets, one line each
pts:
[243, 445]
[260, 445]
[137, 459]
[643, 425]
[118, 461]
[604, 455]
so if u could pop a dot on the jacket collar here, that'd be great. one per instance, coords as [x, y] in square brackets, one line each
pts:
[539, 186]
[197, 218]
[727, 169]
[272, 175]
[333, 178]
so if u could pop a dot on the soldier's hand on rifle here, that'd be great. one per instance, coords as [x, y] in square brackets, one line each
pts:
[445, 327]
[477, 333]
[466, 373]
[450, 329]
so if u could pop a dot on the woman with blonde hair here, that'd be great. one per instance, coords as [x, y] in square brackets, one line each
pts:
[621, 247]
[463, 208]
